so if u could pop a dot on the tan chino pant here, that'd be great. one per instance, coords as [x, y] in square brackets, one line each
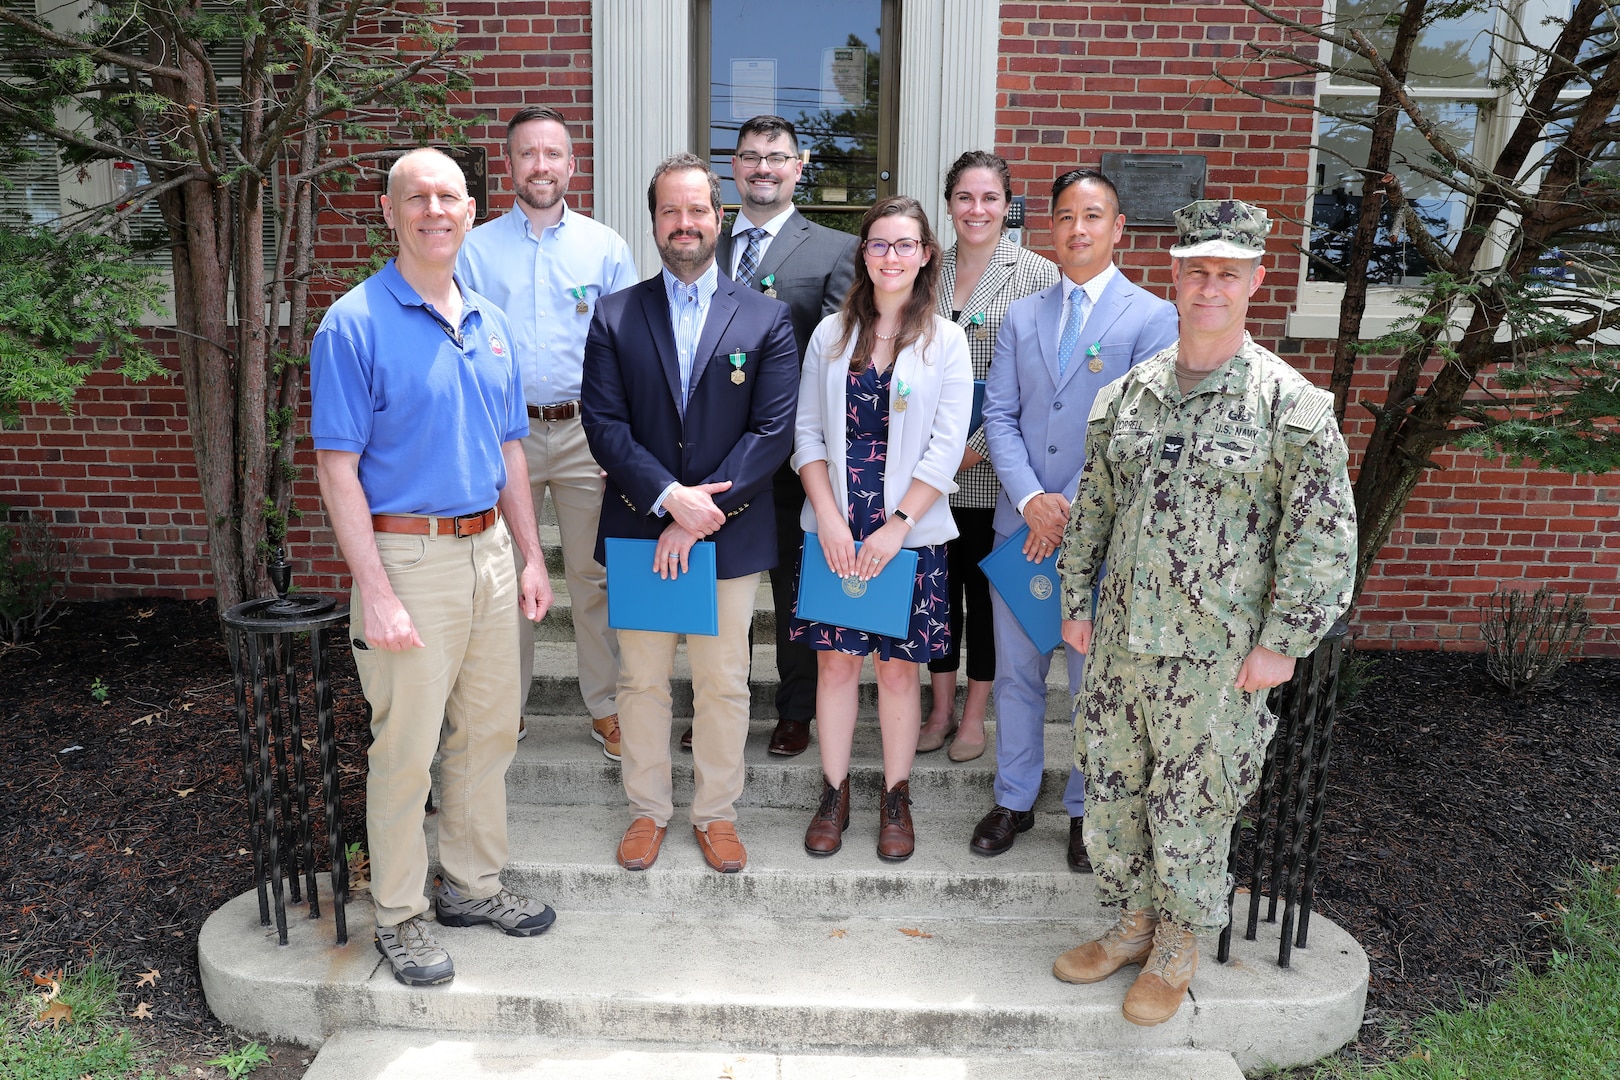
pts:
[456, 697]
[720, 711]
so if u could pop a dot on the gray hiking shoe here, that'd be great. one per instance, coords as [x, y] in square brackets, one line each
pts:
[513, 914]
[416, 958]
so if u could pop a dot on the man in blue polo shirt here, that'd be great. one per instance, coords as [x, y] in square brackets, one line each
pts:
[417, 421]
[546, 267]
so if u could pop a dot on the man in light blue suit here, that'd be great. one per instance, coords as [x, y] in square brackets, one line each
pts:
[1056, 349]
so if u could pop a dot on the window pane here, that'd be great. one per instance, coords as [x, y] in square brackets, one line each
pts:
[33, 195]
[1452, 52]
[1342, 151]
[815, 63]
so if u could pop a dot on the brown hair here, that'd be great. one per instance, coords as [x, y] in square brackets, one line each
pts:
[979, 159]
[681, 163]
[860, 314]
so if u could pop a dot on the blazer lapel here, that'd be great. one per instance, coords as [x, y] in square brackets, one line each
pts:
[722, 251]
[655, 309]
[1048, 322]
[721, 309]
[994, 278]
[794, 232]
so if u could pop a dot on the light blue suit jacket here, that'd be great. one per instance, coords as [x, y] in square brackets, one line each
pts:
[1035, 421]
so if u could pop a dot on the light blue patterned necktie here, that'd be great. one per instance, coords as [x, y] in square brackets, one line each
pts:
[1079, 303]
[750, 257]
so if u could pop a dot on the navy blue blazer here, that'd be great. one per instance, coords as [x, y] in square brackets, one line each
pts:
[630, 400]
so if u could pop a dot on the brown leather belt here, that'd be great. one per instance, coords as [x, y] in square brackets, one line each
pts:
[465, 525]
[562, 410]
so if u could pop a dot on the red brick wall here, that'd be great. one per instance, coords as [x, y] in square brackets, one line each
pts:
[1075, 81]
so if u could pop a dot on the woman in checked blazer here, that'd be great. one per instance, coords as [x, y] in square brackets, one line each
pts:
[980, 276]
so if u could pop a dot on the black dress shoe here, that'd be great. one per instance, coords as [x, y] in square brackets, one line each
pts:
[997, 830]
[791, 738]
[1077, 858]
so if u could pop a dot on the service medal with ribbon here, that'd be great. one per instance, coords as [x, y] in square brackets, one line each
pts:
[769, 281]
[1095, 363]
[902, 395]
[980, 330]
[578, 293]
[738, 359]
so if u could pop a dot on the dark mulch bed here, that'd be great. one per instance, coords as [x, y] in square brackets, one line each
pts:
[1455, 812]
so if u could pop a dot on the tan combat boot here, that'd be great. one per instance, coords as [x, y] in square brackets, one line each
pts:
[1157, 992]
[1129, 941]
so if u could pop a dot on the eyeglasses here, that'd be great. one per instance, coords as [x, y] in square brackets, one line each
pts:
[904, 248]
[752, 160]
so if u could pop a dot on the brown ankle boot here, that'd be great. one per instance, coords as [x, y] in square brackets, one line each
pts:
[896, 840]
[1158, 991]
[1128, 941]
[826, 832]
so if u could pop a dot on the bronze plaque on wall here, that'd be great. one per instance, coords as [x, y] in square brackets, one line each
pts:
[474, 164]
[1152, 187]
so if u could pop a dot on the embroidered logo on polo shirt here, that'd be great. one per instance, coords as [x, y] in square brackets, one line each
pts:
[495, 346]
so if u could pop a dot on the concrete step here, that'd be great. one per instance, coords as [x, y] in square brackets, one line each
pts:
[565, 854]
[556, 684]
[716, 980]
[393, 1054]
[560, 764]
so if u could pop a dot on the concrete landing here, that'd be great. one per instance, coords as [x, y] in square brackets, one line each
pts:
[392, 1054]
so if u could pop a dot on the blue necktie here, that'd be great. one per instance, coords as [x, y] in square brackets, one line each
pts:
[1078, 303]
[750, 257]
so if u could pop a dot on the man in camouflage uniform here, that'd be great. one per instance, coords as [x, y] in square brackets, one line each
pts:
[1216, 489]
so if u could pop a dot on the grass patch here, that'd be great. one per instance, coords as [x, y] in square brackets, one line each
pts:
[1559, 1024]
[86, 1038]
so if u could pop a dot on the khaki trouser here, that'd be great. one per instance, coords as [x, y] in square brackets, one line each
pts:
[559, 457]
[1172, 750]
[460, 594]
[720, 711]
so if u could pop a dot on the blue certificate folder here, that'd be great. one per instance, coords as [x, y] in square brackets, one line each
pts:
[879, 606]
[639, 599]
[976, 421]
[1030, 590]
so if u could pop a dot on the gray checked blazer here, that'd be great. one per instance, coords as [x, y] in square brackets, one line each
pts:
[1013, 274]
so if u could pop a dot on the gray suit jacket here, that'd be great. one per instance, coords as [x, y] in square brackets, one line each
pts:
[814, 267]
[1035, 421]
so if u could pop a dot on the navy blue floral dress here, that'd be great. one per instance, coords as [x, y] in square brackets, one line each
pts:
[867, 440]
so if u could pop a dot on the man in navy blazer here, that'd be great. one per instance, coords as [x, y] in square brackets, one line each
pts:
[1056, 349]
[689, 392]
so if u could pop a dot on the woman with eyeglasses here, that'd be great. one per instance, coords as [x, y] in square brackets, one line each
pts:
[884, 402]
[979, 278]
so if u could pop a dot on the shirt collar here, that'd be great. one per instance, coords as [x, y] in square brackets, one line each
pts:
[525, 227]
[1094, 287]
[773, 226]
[706, 284]
[407, 296]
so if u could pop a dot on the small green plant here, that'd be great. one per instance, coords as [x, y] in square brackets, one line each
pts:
[33, 565]
[99, 691]
[65, 1025]
[1527, 642]
[1358, 673]
[241, 1061]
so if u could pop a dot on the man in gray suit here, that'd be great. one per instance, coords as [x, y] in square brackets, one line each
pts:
[1056, 349]
[774, 249]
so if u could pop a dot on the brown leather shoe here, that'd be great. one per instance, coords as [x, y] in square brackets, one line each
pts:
[1077, 858]
[639, 848]
[826, 832]
[997, 830]
[686, 738]
[896, 838]
[1158, 992]
[606, 732]
[721, 848]
[791, 738]
[1128, 941]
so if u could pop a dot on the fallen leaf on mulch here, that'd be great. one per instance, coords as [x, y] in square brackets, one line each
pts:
[183, 792]
[838, 933]
[143, 1011]
[149, 978]
[913, 933]
[46, 978]
[56, 1012]
[147, 719]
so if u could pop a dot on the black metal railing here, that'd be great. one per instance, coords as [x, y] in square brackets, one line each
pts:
[1288, 808]
[263, 638]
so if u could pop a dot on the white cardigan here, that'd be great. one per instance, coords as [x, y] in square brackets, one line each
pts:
[926, 439]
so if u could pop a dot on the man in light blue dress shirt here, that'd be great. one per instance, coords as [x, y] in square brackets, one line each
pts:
[546, 267]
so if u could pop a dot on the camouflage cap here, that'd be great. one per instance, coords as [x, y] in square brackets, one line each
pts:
[1221, 228]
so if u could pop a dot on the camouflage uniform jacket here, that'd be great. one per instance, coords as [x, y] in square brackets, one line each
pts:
[1225, 515]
